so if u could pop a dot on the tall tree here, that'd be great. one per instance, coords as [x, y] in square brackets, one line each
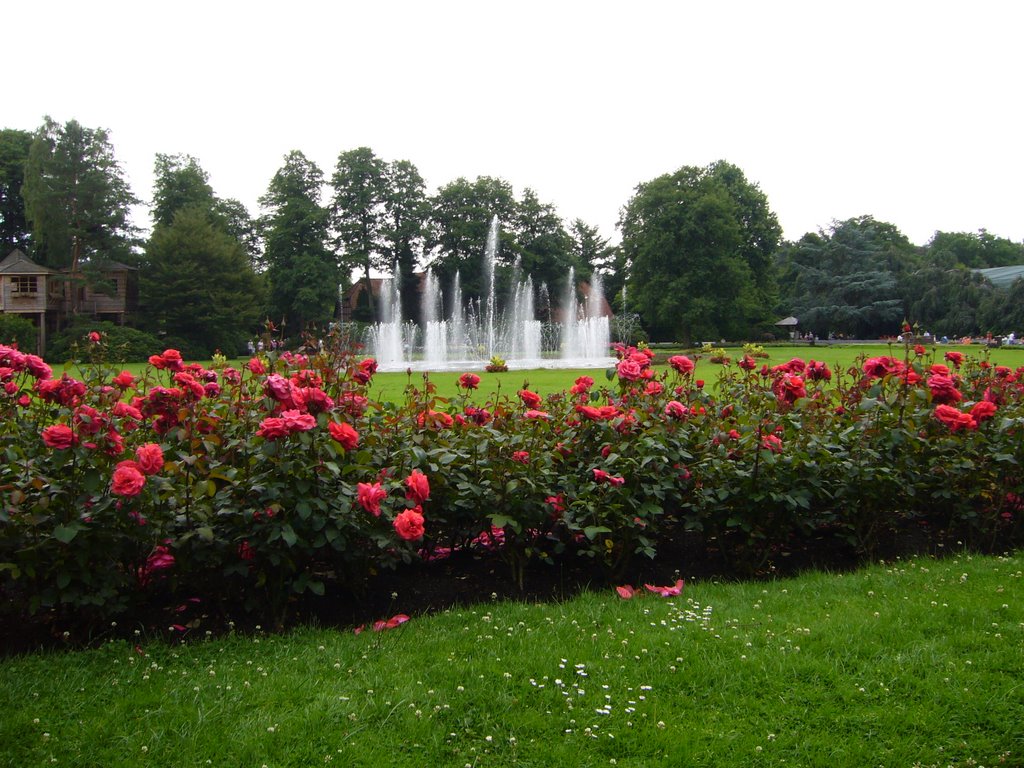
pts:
[240, 224]
[945, 299]
[694, 241]
[358, 211]
[1002, 311]
[846, 280]
[197, 284]
[76, 198]
[460, 216]
[180, 182]
[596, 252]
[405, 211]
[302, 271]
[975, 250]
[14, 228]
[541, 244]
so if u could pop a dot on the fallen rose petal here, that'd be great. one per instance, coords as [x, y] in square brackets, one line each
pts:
[626, 592]
[673, 591]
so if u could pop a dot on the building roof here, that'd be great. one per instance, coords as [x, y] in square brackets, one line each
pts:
[788, 321]
[17, 263]
[1002, 277]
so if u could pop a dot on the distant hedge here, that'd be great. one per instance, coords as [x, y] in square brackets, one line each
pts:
[15, 329]
[121, 343]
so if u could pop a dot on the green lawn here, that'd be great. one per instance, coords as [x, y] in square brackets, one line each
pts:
[545, 381]
[911, 663]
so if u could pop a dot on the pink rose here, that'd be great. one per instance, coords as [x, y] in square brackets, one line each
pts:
[681, 363]
[369, 496]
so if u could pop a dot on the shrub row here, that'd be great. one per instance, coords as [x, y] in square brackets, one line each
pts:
[256, 485]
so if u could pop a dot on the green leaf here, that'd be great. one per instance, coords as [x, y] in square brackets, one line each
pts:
[591, 531]
[205, 533]
[14, 569]
[500, 521]
[66, 533]
[289, 536]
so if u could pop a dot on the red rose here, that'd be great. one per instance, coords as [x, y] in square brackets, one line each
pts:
[344, 434]
[39, 369]
[272, 428]
[582, 385]
[530, 399]
[600, 476]
[818, 371]
[89, 421]
[877, 367]
[956, 358]
[409, 524]
[124, 380]
[478, 416]
[983, 410]
[255, 366]
[522, 457]
[369, 496]
[128, 479]
[943, 390]
[150, 458]
[172, 360]
[352, 403]
[954, 418]
[469, 381]
[789, 389]
[417, 487]
[59, 436]
[434, 419]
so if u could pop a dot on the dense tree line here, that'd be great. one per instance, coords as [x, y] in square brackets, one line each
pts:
[701, 256]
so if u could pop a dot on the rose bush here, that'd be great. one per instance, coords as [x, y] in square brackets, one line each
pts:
[255, 486]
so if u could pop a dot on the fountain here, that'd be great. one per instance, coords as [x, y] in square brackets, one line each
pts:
[475, 332]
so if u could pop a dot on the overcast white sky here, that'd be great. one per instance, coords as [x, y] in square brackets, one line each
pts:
[907, 111]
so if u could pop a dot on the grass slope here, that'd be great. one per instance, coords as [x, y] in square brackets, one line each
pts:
[912, 663]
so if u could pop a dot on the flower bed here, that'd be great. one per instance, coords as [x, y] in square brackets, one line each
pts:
[251, 487]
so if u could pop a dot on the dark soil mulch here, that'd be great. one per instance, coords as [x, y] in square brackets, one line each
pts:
[464, 579]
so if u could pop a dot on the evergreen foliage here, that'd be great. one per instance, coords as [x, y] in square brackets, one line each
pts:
[197, 285]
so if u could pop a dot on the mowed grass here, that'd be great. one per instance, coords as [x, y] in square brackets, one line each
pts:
[391, 386]
[544, 381]
[910, 663]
